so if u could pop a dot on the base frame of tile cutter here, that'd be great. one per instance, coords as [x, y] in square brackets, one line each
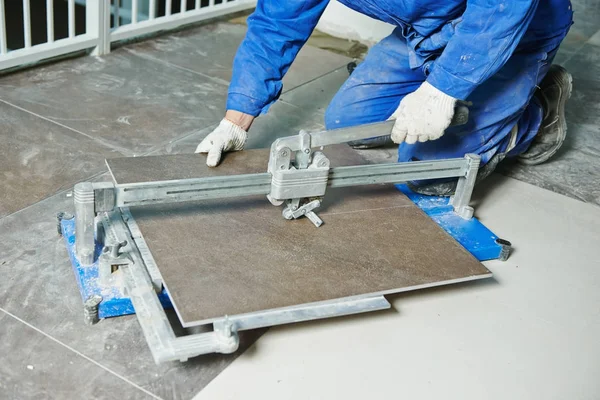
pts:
[117, 274]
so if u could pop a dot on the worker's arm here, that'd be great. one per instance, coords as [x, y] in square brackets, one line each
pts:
[482, 43]
[277, 30]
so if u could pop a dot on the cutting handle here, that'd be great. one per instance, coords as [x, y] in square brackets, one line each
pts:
[359, 132]
[461, 115]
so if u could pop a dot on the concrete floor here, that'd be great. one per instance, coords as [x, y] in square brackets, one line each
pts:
[530, 333]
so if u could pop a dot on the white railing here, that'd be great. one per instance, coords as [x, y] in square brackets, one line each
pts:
[105, 23]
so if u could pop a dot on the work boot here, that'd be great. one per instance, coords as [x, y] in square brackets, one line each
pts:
[553, 93]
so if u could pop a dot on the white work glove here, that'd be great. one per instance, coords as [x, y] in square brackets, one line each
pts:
[226, 137]
[422, 115]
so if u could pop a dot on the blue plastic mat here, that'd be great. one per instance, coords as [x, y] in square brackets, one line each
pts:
[114, 303]
[471, 234]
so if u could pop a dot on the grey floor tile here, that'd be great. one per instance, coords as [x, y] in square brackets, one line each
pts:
[586, 16]
[316, 95]
[585, 64]
[36, 367]
[38, 286]
[206, 50]
[584, 137]
[595, 39]
[312, 63]
[40, 158]
[281, 120]
[572, 173]
[584, 105]
[129, 101]
[209, 50]
[570, 46]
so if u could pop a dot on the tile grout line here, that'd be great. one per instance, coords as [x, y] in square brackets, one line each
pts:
[314, 79]
[178, 67]
[185, 136]
[111, 146]
[63, 191]
[96, 175]
[221, 81]
[81, 354]
[178, 139]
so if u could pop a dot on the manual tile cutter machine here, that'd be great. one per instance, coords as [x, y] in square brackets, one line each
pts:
[104, 236]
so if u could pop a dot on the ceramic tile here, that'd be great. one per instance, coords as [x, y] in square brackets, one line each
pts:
[36, 367]
[281, 120]
[41, 158]
[209, 50]
[274, 263]
[316, 95]
[129, 102]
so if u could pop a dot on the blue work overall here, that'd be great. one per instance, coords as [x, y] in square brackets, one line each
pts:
[492, 54]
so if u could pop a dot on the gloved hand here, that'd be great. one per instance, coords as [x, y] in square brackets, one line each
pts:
[422, 115]
[226, 137]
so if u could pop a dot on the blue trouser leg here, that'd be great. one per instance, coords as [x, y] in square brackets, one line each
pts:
[497, 105]
[374, 91]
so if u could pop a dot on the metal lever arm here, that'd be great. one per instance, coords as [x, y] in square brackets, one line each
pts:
[349, 134]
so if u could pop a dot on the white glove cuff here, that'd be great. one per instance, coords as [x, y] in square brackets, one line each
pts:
[437, 96]
[236, 133]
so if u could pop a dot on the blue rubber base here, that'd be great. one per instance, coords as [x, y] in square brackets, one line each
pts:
[471, 234]
[114, 303]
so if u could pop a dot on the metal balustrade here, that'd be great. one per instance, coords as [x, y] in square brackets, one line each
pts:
[105, 22]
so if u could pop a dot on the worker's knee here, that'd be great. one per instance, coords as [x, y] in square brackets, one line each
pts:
[334, 115]
[350, 107]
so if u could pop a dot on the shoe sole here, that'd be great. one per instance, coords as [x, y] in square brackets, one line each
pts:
[565, 80]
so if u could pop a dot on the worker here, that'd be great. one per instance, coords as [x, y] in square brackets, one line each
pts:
[494, 55]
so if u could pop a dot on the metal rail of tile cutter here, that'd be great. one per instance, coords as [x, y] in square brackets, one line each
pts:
[296, 176]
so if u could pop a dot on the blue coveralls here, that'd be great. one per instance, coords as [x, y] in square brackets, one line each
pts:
[492, 53]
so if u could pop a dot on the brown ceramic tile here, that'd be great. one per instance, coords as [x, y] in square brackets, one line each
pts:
[130, 102]
[209, 50]
[234, 256]
[183, 166]
[40, 158]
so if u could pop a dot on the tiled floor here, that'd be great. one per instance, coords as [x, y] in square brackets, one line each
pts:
[59, 122]
[161, 96]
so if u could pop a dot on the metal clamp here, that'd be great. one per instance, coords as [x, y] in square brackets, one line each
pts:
[110, 260]
[299, 183]
[464, 189]
[306, 210]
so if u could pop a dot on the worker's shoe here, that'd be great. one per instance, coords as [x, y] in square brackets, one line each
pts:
[553, 93]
